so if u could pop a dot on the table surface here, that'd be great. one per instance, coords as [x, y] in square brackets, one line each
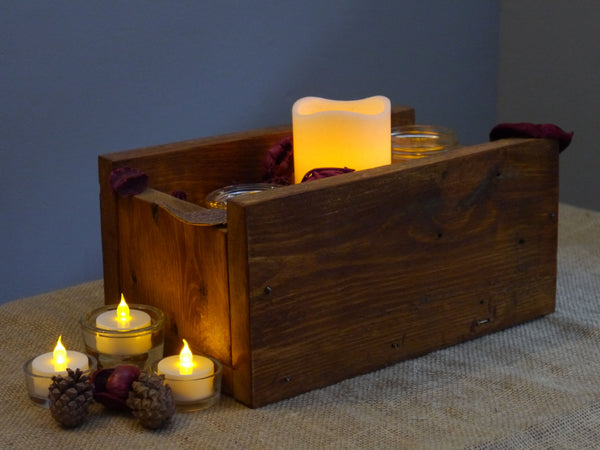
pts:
[535, 385]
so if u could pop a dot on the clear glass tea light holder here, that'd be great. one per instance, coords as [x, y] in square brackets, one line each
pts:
[113, 347]
[218, 198]
[37, 385]
[194, 393]
[419, 141]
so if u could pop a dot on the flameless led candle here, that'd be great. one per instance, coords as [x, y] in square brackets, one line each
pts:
[337, 133]
[123, 319]
[190, 376]
[45, 366]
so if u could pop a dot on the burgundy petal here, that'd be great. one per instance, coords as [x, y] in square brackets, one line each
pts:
[179, 194]
[324, 172]
[99, 378]
[127, 181]
[111, 401]
[278, 163]
[111, 386]
[531, 130]
[119, 382]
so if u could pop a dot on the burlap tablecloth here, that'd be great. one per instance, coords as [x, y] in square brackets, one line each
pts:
[535, 385]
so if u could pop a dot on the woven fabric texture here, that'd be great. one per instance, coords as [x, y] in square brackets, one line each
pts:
[535, 385]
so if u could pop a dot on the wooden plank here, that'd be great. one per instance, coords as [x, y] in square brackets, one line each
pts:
[180, 268]
[243, 382]
[241, 340]
[349, 274]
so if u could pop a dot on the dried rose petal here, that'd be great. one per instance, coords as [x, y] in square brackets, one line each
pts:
[181, 195]
[278, 163]
[111, 386]
[127, 181]
[110, 401]
[324, 172]
[119, 382]
[531, 130]
[99, 378]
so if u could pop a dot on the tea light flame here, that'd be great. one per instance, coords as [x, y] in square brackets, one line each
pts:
[186, 360]
[59, 357]
[123, 311]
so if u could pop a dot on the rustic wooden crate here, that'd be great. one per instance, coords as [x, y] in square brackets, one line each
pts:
[310, 284]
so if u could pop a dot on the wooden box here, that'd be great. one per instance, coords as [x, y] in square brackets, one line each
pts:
[310, 284]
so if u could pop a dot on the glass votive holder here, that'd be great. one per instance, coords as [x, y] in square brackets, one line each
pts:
[191, 392]
[219, 197]
[113, 347]
[419, 141]
[37, 385]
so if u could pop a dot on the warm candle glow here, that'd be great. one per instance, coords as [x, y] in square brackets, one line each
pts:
[190, 376]
[123, 311]
[341, 133]
[186, 360]
[59, 357]
[127, 320]
[49, 364]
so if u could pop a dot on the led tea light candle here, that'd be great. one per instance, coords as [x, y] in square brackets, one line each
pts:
[195, 380]
[55, 363]
[337, 133]
[124, 334]
[40, 370]
[123, 319]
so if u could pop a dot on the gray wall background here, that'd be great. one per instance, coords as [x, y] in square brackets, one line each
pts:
[78, 79]
[549, 72]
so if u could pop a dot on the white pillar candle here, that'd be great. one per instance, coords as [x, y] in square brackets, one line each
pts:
[123, 319]
[54, 363]
[190, 376]
[336, 133]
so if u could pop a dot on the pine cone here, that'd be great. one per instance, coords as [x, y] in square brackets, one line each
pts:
[70, 397]
[151, 401]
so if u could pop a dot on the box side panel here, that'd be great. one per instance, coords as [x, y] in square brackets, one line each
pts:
[395, 262]
[239, 303]
[179, 268]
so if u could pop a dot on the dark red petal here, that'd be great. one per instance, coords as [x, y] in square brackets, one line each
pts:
[324, 172]
[127, 181]
[111, 401]
[179, 194]
[531, 130]
[278, 163]
[99, 378]
[119, 382]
